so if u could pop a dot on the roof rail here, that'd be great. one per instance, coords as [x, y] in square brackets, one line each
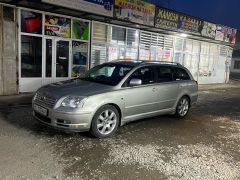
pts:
[162, 62]
[147, 61]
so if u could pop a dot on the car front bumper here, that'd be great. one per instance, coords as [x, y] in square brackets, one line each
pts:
[66, 121]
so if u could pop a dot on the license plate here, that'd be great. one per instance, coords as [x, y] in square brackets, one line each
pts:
[40, 110]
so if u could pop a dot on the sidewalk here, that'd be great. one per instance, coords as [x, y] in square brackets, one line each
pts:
[13, 100]
[26, 98]
[231, 84]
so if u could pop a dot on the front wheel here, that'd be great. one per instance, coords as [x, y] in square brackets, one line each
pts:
[105, 122]
[182, 107]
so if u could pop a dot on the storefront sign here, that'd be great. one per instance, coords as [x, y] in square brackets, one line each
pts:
[226, 34]
[57, 26]
[209, 30]
[136, 11]
[166, 19]
[189, 24]
[101, 7]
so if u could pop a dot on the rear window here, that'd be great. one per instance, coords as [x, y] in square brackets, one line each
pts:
[180, 74]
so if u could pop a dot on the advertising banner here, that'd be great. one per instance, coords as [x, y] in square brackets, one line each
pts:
[189, 24]
[80, 58]
[135, 11]
[172, 20]
[31, 22]
[101, 7]
[80, 29]
[166, 19]
[209, 30]
[226, 34]
[57, 26]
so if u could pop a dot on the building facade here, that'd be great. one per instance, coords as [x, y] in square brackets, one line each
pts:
[60, 40]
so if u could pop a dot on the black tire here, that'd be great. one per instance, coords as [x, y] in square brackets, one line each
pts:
[95, 131]
[180, 111]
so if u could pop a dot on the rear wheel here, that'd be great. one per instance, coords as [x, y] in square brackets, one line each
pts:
[182, 107]
[105, 122]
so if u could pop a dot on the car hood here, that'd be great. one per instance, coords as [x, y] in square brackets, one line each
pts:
[74, 87]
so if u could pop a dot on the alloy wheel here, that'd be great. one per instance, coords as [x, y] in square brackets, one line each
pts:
[106, 122]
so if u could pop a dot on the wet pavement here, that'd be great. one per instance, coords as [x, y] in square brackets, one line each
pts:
[205, 145]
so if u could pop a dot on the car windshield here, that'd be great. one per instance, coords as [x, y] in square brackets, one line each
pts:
[110, 74]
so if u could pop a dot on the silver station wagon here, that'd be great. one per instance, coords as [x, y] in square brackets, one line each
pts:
[114, 93]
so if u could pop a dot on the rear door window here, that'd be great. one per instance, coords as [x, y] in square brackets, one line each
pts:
[164, 74]
[180, 75]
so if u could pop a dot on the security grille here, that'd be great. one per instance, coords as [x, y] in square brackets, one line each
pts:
[99, 32]
[168, 42]
[132, 37]
[118, 35]
[98, 54]
[145, 40]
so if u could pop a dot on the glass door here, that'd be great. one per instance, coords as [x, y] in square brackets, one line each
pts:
[56, 66]
[62, 59]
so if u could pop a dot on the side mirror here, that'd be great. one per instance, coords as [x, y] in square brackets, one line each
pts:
[135, 82]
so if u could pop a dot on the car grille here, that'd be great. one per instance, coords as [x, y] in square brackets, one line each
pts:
[45, 100]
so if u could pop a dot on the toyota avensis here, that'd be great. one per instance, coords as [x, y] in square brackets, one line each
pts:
[114, 93]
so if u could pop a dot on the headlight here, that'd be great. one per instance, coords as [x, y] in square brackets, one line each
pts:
[35, 96]
[73, 101]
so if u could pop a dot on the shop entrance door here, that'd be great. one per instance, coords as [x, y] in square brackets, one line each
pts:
[56, 60]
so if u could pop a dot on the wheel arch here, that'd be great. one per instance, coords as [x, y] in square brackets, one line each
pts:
[118, 109]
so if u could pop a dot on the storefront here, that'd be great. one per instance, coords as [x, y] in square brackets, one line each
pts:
[52, 48]
[59, 45]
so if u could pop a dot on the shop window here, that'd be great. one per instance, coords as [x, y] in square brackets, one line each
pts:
[178, 57]
[167, 55]
[31, 22]
[204, 66]
[187, 60]
[118, 35]
[178, 44]
[57, 26]
[204, 48]
[79, 58]
[80, 29]
[187, 45]
[31, 56]
[113, 51]
[196, 47]
[8, 13]
[144, 54]
[132, 37]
